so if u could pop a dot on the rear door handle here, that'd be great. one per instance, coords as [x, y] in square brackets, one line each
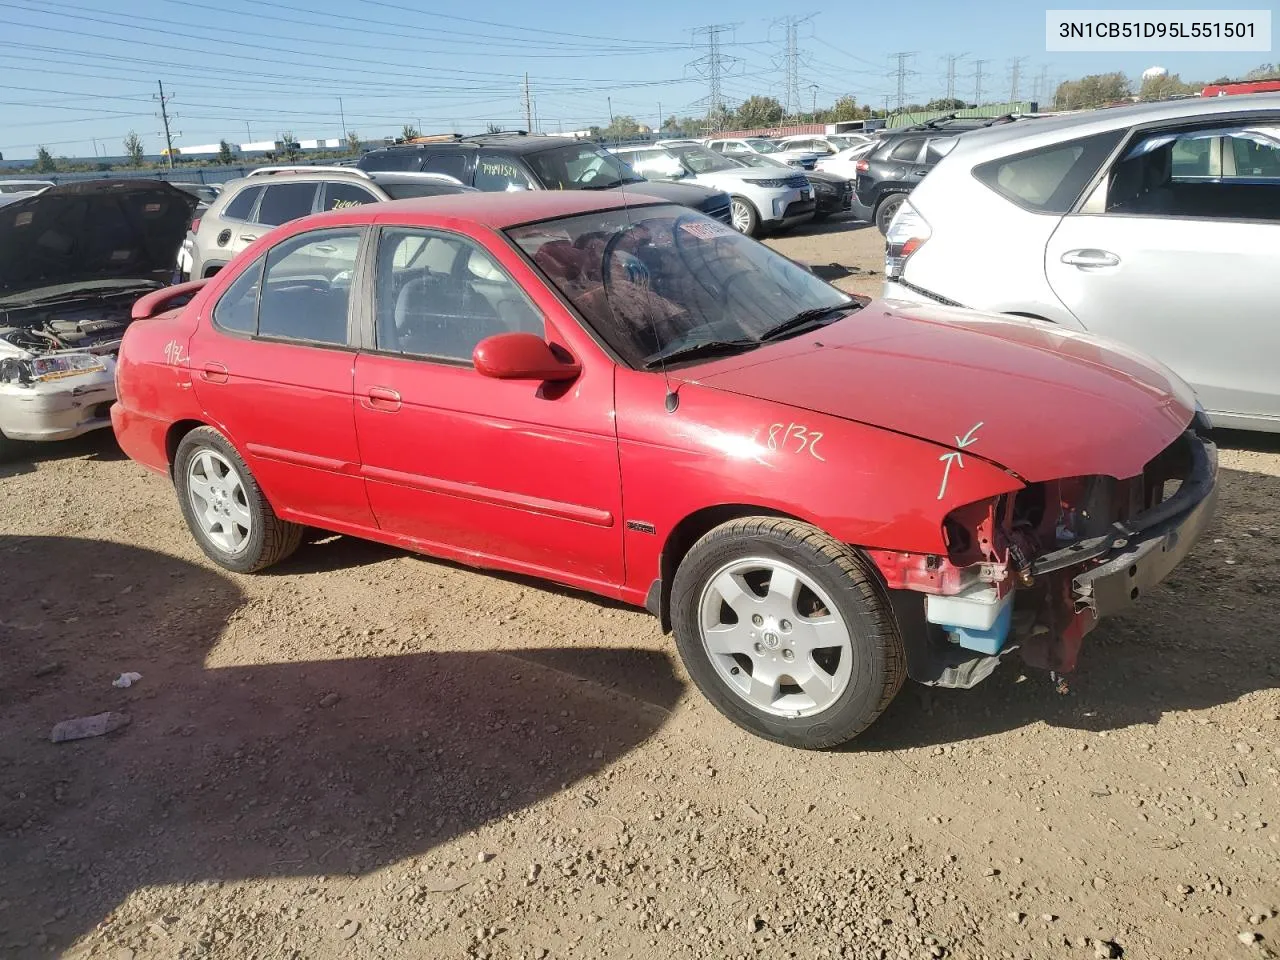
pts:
[246, 238]
[214, 373]
[382, 398]
[1090, 258]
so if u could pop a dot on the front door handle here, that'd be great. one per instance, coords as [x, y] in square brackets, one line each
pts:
[214, 373]
[247, 238]
[382, 398]
[1090, 258]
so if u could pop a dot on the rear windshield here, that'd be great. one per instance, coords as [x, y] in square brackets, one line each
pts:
[407, 191]
[391, 160]
[1048, 179]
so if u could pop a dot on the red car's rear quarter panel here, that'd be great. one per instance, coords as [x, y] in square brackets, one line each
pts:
[862, 485]
[153, 385]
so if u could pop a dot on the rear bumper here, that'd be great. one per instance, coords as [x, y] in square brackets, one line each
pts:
[143, 439]
[58, 409]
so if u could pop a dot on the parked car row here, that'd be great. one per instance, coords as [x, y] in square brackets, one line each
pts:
[1156, 225]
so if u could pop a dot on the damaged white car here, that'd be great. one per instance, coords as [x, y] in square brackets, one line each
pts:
[73, 259]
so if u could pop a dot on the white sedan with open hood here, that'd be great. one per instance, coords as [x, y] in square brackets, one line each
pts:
[73, 259]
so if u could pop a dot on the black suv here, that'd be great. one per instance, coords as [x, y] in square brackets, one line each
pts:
[520, 161]
[889, 172]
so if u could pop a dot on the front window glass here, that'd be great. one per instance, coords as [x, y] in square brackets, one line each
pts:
[286, 201]
[439, 294]
[496, 173]
[654, 281]
[580, 167]
[763, 146]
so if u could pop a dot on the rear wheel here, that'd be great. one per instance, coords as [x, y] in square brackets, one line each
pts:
[784, 630]
[224, 507]
[888, 207]
[744, 217]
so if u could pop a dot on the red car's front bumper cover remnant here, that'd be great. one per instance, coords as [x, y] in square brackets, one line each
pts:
[1062, 594]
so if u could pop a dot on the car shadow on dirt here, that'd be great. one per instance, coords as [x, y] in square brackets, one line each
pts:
[1205, 637]
[100, 445]
[336, 767]
[838, 223]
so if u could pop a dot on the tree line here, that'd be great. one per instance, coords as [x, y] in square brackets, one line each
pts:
[1099, 89]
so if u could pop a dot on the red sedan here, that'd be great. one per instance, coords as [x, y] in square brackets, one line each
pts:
[819, 496]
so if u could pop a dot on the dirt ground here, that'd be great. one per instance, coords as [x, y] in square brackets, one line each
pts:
[367, 754]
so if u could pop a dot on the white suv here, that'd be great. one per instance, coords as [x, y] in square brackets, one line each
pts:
[1156, 225]
[761, 200]
[736, 146]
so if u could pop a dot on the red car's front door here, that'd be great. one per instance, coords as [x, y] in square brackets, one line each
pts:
[273, 367]
[515, 474]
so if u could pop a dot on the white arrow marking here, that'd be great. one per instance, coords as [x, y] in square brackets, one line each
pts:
[955, 456]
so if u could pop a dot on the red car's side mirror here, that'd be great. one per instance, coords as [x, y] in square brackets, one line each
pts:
[522, 356]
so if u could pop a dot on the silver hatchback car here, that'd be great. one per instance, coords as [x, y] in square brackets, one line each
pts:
[269, 196]
[1156, 225]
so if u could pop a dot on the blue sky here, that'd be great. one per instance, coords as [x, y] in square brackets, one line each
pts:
[77, 75]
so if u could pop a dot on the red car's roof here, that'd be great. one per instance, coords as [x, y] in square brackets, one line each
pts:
[495, 210]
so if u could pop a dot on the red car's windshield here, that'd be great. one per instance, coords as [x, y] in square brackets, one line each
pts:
[656, 280]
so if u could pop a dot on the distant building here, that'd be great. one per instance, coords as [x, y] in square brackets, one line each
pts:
[1247, 86]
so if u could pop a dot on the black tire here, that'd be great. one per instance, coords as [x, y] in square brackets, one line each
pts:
[750, 216]
[879, 664]
[887, 208]
[270, 539]
[820, 215]
[8, 448]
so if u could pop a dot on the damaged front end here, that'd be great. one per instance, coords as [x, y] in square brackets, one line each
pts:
[1034, 571]
[57, 365]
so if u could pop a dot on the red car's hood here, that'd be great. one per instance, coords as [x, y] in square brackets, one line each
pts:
[1037, 399]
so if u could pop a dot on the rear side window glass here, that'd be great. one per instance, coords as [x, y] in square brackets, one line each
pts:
[241, 205]
[399, 160]
[307, 287]
[286, 201]
[237, 309]
[450, 164]
[339, 196]
[907, 150]
[1048, 179]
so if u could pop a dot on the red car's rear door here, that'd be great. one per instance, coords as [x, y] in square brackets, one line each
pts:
[515, 474]
[273, 367]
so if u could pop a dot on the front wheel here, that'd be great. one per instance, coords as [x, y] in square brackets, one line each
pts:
[786, 632]
[744, 217]
[888, 207]
[224, 507]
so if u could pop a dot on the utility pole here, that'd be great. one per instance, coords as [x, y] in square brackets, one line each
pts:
[164, 115]
[713, 66]
[609, 101]
[528, 107]
[952, 60]
[659, 127]
[903, 71]
[1015, 74]
[248, 133]
[977, 80]
[342, 114]
[1042, 85]
[813, 88]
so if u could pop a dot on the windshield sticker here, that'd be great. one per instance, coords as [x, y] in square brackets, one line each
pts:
[805, 438]
[23, 219]
[956, 457]
[706, 229]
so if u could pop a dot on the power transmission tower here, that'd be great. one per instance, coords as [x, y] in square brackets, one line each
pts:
[164, 116]
[528, 106]
[791, 63]
[1015, 74]
[713, 66]
[903, 71]
[1042, 84]
[813, 88]
[977, 81]
[952, 60]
